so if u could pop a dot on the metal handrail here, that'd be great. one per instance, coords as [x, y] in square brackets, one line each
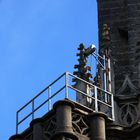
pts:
[66, 86]
[41, 105]
[89, 83]
[32, 101]
[41, 92]
[81, 92]
[90, 96]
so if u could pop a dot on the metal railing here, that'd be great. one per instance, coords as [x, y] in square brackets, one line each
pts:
[96, 98]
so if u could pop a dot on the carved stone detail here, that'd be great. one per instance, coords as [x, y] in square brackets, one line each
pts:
[128, 103]
[127, 83]
[80, 124]
[49, 127]
[128, 114]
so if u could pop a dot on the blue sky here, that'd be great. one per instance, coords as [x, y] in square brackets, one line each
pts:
[38, 42]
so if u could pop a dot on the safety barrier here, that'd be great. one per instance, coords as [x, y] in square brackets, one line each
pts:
[99, 99]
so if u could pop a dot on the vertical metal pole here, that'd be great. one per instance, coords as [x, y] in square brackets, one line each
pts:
[112, 104]
[66, 84]
[109, 74]
[105, 78]
[33, 109]
[17, 123]
[96, 99]
[104, 59]
[49, 97]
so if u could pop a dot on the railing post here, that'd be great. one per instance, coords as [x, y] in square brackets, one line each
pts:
[105, 78]
[33, 106]
[112, 104]
[49, 95]
[96, 99]
[66, 84]
[16, 122]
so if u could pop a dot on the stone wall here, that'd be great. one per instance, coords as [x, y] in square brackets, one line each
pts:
[123, 18]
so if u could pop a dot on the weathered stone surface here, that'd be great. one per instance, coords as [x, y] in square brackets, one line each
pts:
[123, 18]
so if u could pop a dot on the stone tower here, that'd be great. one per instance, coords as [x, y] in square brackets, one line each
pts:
[119, 32]
[123, 19]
